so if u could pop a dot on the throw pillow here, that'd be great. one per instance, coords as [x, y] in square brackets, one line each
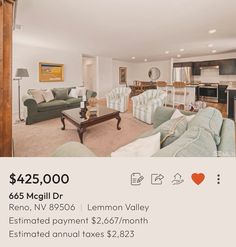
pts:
[73, 93]
[37, 95]
[195, 142]
[178, 114]
[144, 147]
[48, 95]
[170, 130]
[81, 91]
[61, 93]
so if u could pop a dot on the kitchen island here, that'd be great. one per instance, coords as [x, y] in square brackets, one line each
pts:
[191, 97]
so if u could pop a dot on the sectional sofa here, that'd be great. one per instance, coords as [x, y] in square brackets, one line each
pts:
[207, 134]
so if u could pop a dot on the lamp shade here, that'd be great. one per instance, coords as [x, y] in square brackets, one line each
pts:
[22, 73]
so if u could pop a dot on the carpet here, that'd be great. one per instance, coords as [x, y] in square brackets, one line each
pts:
[42, 139]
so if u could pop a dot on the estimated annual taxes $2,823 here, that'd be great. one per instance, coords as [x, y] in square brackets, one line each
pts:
[38, 179]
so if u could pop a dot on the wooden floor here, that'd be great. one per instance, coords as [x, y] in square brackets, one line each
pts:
[221, 107]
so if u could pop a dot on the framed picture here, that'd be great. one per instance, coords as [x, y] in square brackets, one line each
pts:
[51, 72]
[123, 75]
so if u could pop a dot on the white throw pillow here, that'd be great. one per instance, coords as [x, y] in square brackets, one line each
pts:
[37, 95]
[48, 95]
[81, 91]
[73, 93]
[143, 147]
[178, 114]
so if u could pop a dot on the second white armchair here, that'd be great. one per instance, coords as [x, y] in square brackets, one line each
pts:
[145, 104]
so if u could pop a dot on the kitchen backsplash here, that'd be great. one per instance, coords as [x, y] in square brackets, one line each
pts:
[212, 76]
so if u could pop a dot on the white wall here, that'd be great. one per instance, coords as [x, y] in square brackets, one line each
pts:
[104, 76]
[210, 75]
[115, 72]
[89, 73]
[30, 56]
[140, 71]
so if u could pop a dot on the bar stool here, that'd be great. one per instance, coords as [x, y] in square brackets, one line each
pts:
[163, 86]
[179, 89]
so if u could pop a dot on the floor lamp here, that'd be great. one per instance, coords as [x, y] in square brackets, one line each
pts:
[20, 73]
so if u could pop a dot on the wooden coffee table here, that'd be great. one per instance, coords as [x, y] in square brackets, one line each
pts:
[103, 114]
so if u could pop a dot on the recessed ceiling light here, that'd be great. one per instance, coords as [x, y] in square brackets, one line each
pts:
[167, 52]
[145, 60]
[210, 45]
[212, 31]
[182, 49]
[213, 51]
[178, 55]
[133, 58]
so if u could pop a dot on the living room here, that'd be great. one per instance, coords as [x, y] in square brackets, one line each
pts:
[107, 48]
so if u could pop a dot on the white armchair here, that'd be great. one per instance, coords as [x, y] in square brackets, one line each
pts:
[118, 99]
[146, 103]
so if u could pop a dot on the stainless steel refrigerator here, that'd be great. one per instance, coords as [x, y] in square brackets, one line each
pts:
[183, 74]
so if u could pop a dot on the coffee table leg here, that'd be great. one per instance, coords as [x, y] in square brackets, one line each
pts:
[81, 133]
[118, 122]
[63, 123]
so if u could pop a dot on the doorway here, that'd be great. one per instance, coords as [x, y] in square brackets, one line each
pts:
[89, 72]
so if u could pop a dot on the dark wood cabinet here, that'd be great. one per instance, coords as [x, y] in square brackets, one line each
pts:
[222, 94]
[196, 68]
[228, 67]
[232, 94]
[180, 65]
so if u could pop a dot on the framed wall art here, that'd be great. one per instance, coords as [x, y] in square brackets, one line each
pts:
[51, 72]
[123, 75]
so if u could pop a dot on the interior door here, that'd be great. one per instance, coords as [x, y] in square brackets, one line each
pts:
[6, 26]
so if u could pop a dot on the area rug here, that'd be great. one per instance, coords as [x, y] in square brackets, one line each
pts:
[42, 139]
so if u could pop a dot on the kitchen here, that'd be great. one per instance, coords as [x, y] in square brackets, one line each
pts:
[213, 80]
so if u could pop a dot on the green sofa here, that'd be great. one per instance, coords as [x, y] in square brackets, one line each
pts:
[208, 134]
[49, 110]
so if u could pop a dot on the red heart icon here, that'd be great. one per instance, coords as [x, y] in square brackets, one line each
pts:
[198, 178]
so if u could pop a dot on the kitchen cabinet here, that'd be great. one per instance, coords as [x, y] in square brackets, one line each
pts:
[228, 67]
[222, 94]
[180, 65]
[196, 68]
[230, 106]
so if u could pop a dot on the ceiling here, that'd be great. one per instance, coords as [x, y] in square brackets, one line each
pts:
[122, 29]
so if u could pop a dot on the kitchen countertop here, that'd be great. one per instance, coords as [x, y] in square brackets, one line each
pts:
[188, 85]
[232, 86]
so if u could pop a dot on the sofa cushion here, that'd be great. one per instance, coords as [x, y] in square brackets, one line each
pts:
[61, 93]
[143, 147]
[52, 105]
[48, 95]
[210, 119]
[73, 93]
[74, 101]
[170, 130]
[195, 142]
[37, 94]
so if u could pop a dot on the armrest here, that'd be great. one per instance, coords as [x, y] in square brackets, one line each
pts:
[73, 149]
[226, 147]
[30, 103]
[90, 93]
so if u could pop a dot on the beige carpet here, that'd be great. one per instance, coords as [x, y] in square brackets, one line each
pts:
[42, 139]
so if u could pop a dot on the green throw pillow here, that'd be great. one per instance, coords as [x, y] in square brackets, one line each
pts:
[61, 93]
